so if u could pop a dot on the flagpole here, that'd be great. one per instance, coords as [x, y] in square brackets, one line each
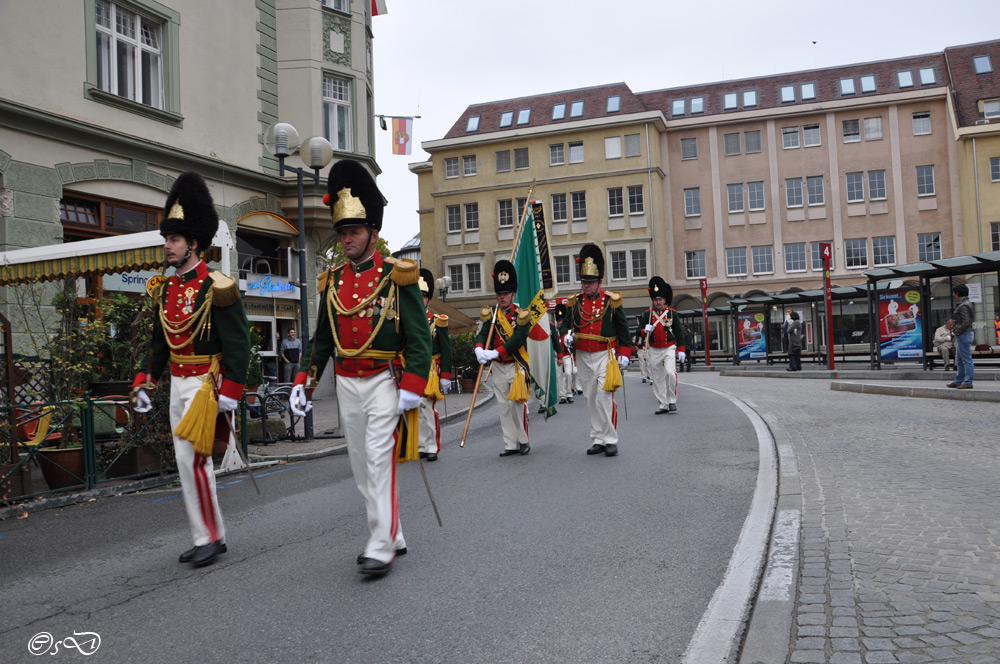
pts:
[489, 334]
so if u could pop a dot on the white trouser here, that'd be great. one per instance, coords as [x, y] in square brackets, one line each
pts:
[371, 443]
[197, 472]
[566, 377]
[430, 426]
[576, 375]
[513, 415]
[663, 366]
[603, 410]
[643, 364]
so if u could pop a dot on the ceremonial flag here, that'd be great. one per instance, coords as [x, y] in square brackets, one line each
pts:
[378, 8]
[530, 295]
[402, 129]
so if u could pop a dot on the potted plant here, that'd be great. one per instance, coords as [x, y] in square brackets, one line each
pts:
[463, 359]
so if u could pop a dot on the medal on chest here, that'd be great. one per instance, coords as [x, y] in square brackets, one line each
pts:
[188, 300]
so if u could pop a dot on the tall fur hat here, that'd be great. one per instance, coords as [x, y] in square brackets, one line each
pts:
[591, 261]
[426, 282]
[189, 211]
[660, 288]
[560, 310]
[353, 196]
[504, 277]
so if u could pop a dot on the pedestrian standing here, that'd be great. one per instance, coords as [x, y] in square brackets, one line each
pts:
[794, 342]
[439, 379]
[291, 355]
[597, 328]
[784, 330]
[965, 318]
[203, 333]
[372, 315]
[505, 348]
[664, 344]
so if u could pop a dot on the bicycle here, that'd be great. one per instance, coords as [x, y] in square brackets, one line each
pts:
[271, 403]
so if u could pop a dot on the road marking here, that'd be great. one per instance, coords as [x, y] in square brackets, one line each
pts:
[221, 485]
[777, 583]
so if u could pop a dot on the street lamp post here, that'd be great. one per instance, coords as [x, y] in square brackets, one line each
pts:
[443, 284]
[282, 140]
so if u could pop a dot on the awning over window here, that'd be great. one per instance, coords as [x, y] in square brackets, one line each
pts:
[107, 255]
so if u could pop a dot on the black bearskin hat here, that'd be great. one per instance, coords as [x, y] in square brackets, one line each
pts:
[560, 310]
[660, 288]
[189, 211]
[591, 263]
[353, 196]
[504, 277]
[426, 282]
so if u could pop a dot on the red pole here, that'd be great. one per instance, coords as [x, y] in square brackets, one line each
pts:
[704, 311]
[827, 249]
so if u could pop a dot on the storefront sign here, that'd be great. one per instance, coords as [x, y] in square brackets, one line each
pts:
[264, 285]
[129, 282]
[900, 327]
[751, 335]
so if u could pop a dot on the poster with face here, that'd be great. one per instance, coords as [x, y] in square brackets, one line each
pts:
[750, 327]
[900, 325]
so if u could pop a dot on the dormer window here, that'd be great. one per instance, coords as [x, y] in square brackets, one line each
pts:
[507, 118]
[868, 83]
[847, 86]
[905, 79]
[576, 109]
[614, 104]
[982, 64]
[559, 111]
[473, 124]
[523, 116]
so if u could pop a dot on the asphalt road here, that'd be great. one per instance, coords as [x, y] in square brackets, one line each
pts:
[551, 557]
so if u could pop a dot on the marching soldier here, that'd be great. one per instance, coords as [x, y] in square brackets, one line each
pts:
[596, 327]
[664, 344]
[639, 342]
[203, 332]
[510, 333]
[440, 374]
[373, 317]
[564, 359]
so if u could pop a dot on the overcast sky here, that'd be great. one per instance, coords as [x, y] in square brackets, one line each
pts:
[436, 57]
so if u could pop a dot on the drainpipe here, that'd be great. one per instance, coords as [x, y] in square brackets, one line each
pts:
[652, 229]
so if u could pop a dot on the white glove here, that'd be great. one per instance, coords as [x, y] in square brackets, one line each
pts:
[481, 356]
[568, 339]
[142, 402]
[227, 404]
[445, 385]
[407, 401]
[649, 328]
[623, 362]
[298, 402]
[491, 355]
[681, 356]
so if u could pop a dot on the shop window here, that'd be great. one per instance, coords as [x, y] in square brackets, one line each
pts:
[260, 254]
[87, 217]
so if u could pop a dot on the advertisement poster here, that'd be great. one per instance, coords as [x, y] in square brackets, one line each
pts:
[751, 335]
[900, 330]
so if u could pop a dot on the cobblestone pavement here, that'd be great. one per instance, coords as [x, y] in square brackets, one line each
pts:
[899, 546]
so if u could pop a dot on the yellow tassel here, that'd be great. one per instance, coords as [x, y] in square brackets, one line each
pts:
[433, 391]
[408, 437]
[613, 375]
[198, 423]
[518, 388]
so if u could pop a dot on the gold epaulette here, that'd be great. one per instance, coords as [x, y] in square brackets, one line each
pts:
[571, 301]
[323, 278]
[486, 314]
[616, 299]
[404, 271]
[225, 290]
[440, 321]
[523, 316]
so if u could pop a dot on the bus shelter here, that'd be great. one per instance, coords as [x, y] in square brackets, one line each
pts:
[716, 338]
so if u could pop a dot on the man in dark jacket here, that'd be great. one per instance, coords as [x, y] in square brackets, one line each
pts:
[965, 318]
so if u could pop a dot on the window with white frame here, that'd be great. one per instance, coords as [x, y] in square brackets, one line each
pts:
[639, 270]
[557, 154]
[576, 109]
[982, 64]
[697, 104]
[867, 83]
[814, 186]
[472, 216]
[995, 235]
[505, 213]
[689, 148]
[793, 192]
[457, 275]
[808, 91]
[925, 181]
[692, 202]
[578, 199]
[763, 259]
[473, 124]
[633, 145]
[991, 109]
[576, 152]
[789, 137]
[873, 129]
[755, 196]
[884, 250]
[503, 161]
[811, 136]
[731, 143]
[905, 79]
[994, 169]
[856, 252]
[520, 159]
[613, 147]
[559, 111]
[614, 104]
[524, 116]
[636, 204]
[339, 5]
[816, 249]
[619, 267]
[558, 207]
[734, 194]
[921, 123]
[928, 246]
[506, 118]
[337, 127]
[475, 272]
[749, 98]
[852, 131]
[795, 257]
[787, 93]
[677, 107]
[469, 165]
[855, 187]
[130, 54]
[616, 206]
[451, 167]
[927, 76]
[730, 100]
[847, 86]
[751, 141]
[876, 185]
[454, 219]
[562, 270]
[736, 262]
[694, 264]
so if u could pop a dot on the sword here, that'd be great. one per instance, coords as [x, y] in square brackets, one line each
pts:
[624, 397]
[239, 450]
[429, 494]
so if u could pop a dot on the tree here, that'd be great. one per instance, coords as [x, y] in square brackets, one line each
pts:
[336, 253]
